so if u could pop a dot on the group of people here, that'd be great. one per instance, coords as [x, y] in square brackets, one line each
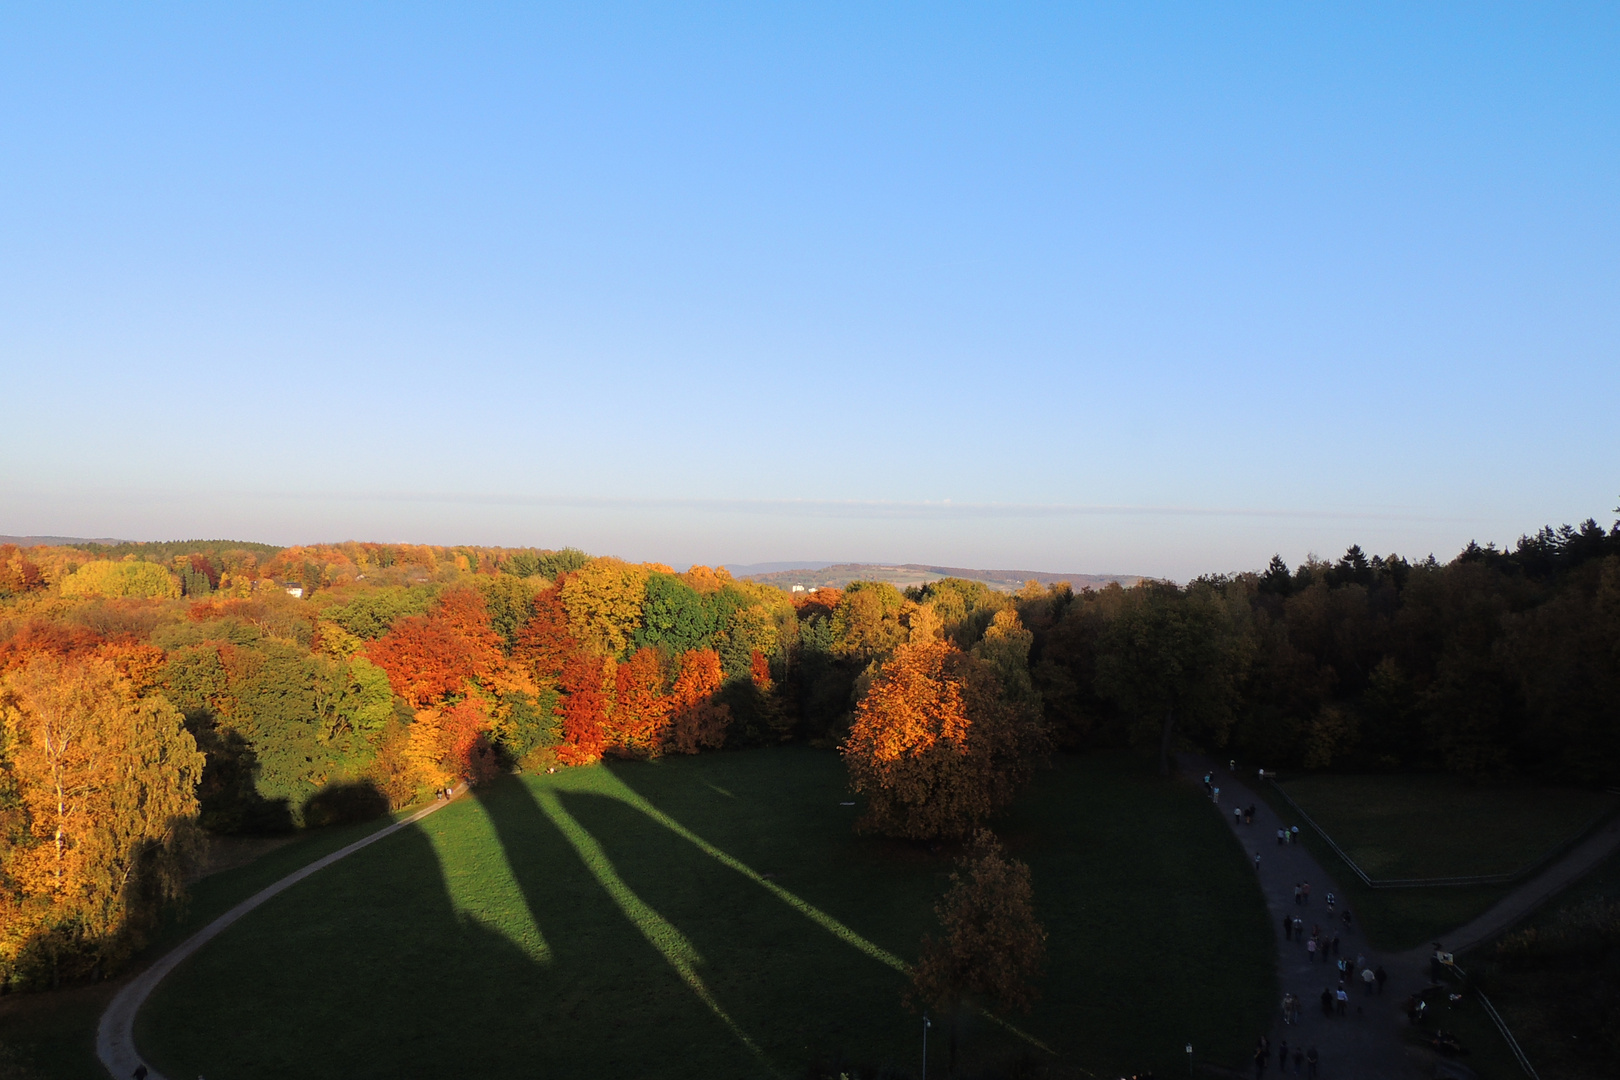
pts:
[445, 793]
[1303, 1059]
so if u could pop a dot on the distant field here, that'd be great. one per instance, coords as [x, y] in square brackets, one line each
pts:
[1423, 826]
[570, 925]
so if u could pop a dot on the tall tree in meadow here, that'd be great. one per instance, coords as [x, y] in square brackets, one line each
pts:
[992, 948]
[936, 747]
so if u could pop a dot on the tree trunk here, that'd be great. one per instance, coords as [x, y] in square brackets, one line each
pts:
[1164, 740]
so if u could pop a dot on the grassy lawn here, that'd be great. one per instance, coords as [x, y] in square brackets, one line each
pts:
[1415, 825]
[714, 916]
[55, 1033]
[1555, 1008]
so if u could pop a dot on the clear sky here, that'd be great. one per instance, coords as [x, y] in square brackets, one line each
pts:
[1146, 288]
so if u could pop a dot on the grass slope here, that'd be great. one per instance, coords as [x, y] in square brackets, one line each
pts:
[714, 916]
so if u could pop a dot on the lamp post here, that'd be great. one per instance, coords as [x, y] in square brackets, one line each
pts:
[1189, 1059]
[926, 1025]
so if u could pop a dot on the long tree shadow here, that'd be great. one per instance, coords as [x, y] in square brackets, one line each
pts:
[619, 965]
[407, 960]
[805, 985]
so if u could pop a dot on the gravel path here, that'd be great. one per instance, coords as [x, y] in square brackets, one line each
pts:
[115, 1036]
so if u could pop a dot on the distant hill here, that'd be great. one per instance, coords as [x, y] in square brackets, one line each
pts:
[56, 541]
[838, 575]
[748, 570]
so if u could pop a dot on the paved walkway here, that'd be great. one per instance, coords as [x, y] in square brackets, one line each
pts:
[1369, 1042]
[115, 1037]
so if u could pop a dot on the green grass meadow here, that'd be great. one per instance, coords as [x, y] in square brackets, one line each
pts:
[715, 916]
[1406, 825]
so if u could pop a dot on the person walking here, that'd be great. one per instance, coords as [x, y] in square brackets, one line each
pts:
[1368, 979]
[1282, 1055]
[1310, 1062]
[1288, 928]
[1341, 999]
[1330, 902]
[1248, 815]
[1280, 835]
[1305, 894]
[1381, 975]
[1299, 928]
[1293, 836]
[1310, 951]
[1237, 815]
[1296, 894]
[1334, 944]
[1327, 1003]
[1217, 796]
[1299, 1057]
[1257, 861]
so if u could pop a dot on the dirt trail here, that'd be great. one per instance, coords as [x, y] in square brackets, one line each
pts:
[115, 1036]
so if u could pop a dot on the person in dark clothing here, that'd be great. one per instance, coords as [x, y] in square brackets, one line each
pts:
[1327, 1003]
[1299, 1057]
[1248, 816]
[1310, 1062]
[1380, 974]
[140, 1072]
[1334, 944]
[1288, 928]
[1282, 1055]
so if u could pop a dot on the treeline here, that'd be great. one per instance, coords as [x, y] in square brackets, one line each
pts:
[1496, 665]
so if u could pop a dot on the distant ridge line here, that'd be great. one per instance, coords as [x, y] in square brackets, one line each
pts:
[840, 574]
[59, 541]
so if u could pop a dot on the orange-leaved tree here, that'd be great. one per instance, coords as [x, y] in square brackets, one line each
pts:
[696, 718]
[641, 706]
[993, 947]
[586, 681]
[430, 657]
[935, 748]
[545, 642]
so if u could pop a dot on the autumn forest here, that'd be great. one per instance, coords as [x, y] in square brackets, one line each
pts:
[157, 693]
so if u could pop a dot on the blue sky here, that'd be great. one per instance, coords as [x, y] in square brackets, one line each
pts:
[1133, 288]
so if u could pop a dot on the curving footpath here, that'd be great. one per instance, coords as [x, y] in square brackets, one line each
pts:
[1370, 1041]
[115, 1035]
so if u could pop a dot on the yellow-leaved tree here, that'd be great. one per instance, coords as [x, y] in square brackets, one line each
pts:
[137, 579]
[107, 778]
[603, 599]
